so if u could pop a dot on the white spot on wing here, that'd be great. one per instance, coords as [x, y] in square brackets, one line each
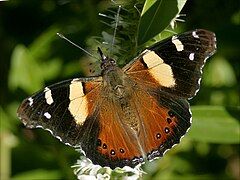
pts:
[178, 44]
[30, 101]
[48, 95]
[78, 105]
[215, 44]
[58, 137]
[160, 71]
[191, 56]
[195, 34]
[47, 115]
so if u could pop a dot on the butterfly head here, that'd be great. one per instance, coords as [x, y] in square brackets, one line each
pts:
[108, 64]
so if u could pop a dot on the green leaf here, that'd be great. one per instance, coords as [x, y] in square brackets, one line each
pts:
[156, 16]
[215, 124]
[41, 46]
[5, 123]
[221, 68]
[51, 68]
[25, 72]
[167, 175]
[38, 174]
[28, 70]
[147, 5]
[9, 122]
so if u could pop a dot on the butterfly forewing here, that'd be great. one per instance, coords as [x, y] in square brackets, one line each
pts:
[62, 108]
[175, 64]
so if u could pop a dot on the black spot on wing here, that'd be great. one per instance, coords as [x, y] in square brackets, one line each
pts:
[179, 110]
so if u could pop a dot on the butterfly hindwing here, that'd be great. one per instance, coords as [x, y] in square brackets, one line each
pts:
[165, 120]
[114, 145]
[62, 108]
[175, 64]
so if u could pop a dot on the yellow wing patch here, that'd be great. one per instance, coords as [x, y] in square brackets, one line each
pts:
[160, 71]
[78, 106]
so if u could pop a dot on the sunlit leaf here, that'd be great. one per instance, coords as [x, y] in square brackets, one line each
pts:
[170, 176]
[51, 68]
[25, 72]
[219, 67]
[41, 46]
[215, 124]
[156, 16]
[147, 5]
[8, 117]
[38, 174]
[5, 122]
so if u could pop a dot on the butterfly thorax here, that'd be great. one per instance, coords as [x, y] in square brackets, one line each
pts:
[114, 79]
[119, 88]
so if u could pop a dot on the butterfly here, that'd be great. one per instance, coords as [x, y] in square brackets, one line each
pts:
[129, 115]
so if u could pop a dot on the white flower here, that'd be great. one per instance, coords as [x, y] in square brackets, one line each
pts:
[85, 169]
[174, 21]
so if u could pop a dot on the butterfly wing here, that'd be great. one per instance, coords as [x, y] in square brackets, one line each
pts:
[175, 64]
[165, 120]
[165, 75]
[65, 109]
[115, 145]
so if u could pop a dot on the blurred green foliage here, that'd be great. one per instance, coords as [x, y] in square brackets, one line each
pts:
[32, 56]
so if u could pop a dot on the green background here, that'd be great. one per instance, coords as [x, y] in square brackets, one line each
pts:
[33, 56]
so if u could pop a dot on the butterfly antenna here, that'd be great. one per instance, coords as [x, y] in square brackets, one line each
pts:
[101, 54]
[115, 28]
[74, 44]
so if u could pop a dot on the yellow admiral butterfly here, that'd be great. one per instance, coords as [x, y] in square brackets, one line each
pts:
[126, 116]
